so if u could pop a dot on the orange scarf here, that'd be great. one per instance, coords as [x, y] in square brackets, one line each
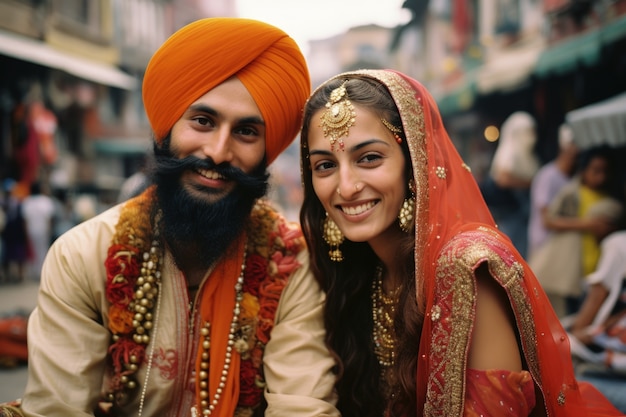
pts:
[217, 302]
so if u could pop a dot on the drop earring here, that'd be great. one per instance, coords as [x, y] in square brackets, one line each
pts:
[333, 236]
[405, 218]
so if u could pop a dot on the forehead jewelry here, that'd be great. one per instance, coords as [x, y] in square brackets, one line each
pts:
[338, 117]
[395, 130]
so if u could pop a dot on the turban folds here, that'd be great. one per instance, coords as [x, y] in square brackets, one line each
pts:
[207, 52]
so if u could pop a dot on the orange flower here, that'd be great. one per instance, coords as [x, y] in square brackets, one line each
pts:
[249, 306]
[120, 319]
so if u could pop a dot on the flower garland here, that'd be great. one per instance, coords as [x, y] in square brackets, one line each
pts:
[133, 274]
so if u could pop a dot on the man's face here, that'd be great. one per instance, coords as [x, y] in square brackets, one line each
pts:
[209, 172]
[226, 126]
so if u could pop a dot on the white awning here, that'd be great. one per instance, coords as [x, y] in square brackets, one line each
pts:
[510, 68]
[602, 123]
[40, 53]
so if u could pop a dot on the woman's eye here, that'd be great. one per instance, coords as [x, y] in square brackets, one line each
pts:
[370, 158]
[323, 166]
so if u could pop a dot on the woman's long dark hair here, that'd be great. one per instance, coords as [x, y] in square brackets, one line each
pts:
[348, 284]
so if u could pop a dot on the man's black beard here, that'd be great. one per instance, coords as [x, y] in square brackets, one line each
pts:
[196, 231]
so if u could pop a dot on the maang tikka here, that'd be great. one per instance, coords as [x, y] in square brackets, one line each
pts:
[338, 117]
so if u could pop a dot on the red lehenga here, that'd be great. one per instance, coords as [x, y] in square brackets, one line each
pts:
[455, 233]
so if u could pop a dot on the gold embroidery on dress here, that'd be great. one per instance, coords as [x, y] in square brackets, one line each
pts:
[455, 288]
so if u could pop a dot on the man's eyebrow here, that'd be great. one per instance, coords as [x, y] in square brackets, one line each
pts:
[210, 110]
[204, 109]
[254, 120]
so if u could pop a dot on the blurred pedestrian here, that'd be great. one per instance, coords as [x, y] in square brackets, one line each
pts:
[547, 183]
[513, 167]
[17, 249]
[64, 217]
[606, 290]
[38, 209]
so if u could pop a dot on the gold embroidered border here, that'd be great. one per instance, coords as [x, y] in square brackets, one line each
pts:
[454, 311]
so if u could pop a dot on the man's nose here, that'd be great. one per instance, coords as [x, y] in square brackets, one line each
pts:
[219, 148]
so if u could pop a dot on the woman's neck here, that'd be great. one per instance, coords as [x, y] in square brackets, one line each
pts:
[387, 249]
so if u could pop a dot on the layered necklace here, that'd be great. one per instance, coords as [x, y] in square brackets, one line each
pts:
[383, 332]
[383, 313]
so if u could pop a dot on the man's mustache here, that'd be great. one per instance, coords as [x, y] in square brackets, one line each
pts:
[168, 165]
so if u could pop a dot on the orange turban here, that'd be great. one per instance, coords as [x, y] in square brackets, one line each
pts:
[207, 52]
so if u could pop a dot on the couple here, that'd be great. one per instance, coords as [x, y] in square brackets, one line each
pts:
[196, 298]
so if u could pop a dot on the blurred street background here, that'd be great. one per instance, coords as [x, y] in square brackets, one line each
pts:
[74, 135]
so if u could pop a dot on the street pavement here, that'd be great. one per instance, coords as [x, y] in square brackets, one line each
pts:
[15, 297]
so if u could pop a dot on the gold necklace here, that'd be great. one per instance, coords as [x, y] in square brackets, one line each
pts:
[383, 313]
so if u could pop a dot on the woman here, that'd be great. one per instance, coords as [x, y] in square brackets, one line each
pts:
[434, 313]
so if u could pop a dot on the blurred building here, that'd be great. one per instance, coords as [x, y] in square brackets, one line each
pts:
[84, 61]
[485, 59]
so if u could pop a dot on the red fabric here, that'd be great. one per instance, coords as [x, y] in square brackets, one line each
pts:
[514, 390]
[43, 122]
[207, 52]
[13, 339]
[462, 24]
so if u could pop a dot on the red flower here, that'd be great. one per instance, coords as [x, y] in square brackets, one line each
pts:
[291, 237]
[285, 265]
[122, 268]
[256, 271]
[249, 393]
[121, 352]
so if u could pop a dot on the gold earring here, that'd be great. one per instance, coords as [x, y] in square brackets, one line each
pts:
[405, 218]
[334, 238]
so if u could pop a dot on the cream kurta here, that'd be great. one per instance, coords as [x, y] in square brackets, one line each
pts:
[68, 338]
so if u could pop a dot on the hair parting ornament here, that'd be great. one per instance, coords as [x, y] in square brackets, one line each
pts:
[338, 117]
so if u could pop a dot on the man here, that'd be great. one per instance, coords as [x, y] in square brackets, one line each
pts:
[193, 298]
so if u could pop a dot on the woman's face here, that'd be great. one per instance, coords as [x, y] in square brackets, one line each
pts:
[362, 187]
